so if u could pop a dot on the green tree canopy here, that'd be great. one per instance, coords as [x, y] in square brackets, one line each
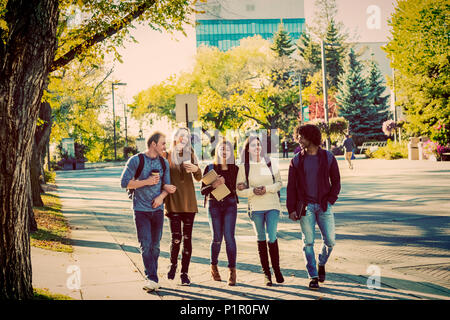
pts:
[419, 50]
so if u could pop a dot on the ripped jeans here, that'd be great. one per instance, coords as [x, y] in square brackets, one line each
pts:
[325, 221]
[181, 233]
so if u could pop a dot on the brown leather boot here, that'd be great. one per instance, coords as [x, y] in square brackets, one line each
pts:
[232, 278]
[215, 273]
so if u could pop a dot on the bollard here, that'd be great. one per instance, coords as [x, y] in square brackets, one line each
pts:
[413, 149]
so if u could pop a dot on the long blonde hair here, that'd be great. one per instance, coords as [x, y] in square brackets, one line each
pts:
[187, 153]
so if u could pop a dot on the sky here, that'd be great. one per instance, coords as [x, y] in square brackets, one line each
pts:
[153, 59]
[158, 55]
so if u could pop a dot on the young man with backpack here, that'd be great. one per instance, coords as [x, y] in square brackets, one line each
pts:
[313, 187]
[148, 175]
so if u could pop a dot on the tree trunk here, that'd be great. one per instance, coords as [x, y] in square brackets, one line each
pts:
[26, 57]
[41, 139]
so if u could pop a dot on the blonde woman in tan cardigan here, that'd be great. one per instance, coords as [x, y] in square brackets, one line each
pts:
[181, 206]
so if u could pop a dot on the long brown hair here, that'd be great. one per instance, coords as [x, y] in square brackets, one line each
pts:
[221, 143]
[245, 151]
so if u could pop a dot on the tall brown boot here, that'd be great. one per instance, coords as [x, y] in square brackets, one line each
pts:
[215, 273]
[264, 258]
[232, 278]
[275, 258]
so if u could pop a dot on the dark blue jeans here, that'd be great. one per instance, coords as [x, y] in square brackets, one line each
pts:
[222, 221]
[149, 226]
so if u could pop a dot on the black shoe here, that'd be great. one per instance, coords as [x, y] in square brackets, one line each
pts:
[172, 271]
[185, 281]
[314, 284]
[321, 273]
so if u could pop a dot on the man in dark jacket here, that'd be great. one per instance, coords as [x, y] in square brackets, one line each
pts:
[314, 180]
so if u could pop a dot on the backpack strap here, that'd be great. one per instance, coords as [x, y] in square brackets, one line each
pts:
[247, 170]
[163, 165]
[269, 164]
[140, 166]
[210, 167]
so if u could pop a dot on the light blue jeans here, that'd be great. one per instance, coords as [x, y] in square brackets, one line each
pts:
[325, 221]
[263, 220]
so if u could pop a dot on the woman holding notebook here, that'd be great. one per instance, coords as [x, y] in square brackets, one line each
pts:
[260, 182]
[181, 206]
[219, 188]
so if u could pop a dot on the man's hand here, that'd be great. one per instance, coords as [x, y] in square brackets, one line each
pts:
[241, 186]
[157, 202]
[293, 216]
[220, 180]
[170, 188]
[190, 168]
[152, 180]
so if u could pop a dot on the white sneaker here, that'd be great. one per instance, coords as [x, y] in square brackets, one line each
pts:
[150, 285]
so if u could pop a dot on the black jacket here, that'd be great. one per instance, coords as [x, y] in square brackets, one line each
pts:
[329, 180]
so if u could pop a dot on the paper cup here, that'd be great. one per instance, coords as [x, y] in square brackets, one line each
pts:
[155, 172]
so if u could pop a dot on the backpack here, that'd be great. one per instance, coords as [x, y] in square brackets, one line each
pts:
[130, 192]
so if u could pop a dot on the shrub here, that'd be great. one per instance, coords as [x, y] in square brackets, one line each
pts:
[49, 176]
[392, 151]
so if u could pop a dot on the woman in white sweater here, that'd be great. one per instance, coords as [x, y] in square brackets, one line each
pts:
[260, 182]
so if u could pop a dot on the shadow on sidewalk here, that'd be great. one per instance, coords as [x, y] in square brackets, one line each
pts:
[339, 280]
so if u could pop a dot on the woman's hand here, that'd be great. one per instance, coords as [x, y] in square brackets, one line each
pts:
[259, 191]
[220, 180]
[170, 188]
[241, 186]
[190, 168]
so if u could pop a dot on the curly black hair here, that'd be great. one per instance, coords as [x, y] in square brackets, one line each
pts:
[310, 132]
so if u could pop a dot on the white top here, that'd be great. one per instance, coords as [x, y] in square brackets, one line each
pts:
[260, 175]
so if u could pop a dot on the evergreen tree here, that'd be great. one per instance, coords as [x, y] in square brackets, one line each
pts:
[283, 67]
[353, 100]
[378, 101]
[309, 51]
[334, 53]
[282, 43]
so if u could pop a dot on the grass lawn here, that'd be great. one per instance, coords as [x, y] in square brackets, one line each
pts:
[44, 294]
[53, 229]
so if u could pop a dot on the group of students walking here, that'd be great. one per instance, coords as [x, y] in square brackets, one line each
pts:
[161, 178]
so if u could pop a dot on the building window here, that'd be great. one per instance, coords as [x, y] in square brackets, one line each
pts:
[250, 7]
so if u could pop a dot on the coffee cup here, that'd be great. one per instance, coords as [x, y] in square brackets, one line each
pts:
[155, 172]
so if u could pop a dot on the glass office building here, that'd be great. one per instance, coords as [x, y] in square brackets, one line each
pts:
[225, 34]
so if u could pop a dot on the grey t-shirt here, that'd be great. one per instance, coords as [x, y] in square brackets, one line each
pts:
[311, 169]
[143, 197]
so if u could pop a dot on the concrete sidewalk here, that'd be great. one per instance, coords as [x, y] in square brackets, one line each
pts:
[106, 262]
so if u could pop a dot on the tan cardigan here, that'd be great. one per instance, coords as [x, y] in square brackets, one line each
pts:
[184, 199]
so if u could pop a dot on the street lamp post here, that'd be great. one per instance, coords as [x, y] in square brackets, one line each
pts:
[302, 119]
[114, 115]
[325, 87]
[126, 129]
